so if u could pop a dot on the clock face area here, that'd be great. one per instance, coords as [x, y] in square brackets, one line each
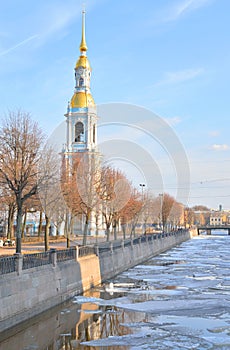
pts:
[80, 71]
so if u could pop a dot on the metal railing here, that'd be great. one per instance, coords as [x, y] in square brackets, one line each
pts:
[66, 254]
[16, 263]
[85, 250]
[127, 243]
[35, 260]
[7, 264]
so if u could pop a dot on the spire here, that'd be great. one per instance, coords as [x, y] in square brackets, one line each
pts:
[83, 46]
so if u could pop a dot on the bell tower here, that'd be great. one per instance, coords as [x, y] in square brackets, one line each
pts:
[80, 156]
[81, 116]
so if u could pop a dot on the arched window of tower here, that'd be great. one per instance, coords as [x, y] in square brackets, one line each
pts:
[79, 131]
[81, 81]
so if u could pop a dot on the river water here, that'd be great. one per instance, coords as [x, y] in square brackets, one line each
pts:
[177, 300]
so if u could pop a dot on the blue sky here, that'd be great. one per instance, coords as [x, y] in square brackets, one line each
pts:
[170, 56]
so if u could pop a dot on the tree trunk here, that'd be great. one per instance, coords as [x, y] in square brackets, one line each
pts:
[144, 227]
[123, 226]
[24, 223]
[66, 224]
[47, 233]
[10, 221]
[19, 228]
[69, 228]
[96, 228]
[67, 240]
[115, 230]
[40, 224]
[108, 224]
[107, 233]
[85, 230]
[58, 229]
[133, 231]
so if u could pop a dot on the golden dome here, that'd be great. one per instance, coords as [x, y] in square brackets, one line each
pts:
[82, 100]
[83, 62]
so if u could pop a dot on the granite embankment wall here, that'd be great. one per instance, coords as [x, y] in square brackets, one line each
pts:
[138, 251]
[34, 283]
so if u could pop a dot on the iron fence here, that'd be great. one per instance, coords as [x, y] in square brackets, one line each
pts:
[7, 264]
[127, 243]
[35, 260]
[83, 251]
[66, 254]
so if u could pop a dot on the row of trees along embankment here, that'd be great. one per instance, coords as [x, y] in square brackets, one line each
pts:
[36, 178]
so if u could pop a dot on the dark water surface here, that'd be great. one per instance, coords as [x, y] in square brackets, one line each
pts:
[177, 300]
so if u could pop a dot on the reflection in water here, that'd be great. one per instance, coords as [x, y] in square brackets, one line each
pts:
[177, 300]
[66, 328]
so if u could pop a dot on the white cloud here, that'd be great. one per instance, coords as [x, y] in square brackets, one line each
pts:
[46, 21]
[21, 43]
[177, 11]
[57, 20]
[180, 76]
[220, 147]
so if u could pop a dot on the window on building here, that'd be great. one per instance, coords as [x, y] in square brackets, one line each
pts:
[79, 131]
[81, 81]
[94, 133]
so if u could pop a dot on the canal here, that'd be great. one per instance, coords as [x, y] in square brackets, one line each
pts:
[177, 300]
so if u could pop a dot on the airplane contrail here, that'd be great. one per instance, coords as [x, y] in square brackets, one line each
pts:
[18, 45]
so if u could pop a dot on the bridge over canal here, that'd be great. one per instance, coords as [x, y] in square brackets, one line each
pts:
[210, 228]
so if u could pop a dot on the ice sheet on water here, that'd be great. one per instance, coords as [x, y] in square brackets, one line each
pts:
[82, 300]
[225, 329]
[154, 338]
[194, 306]
[138, 339]
[219, 342]
[65, 311]
[91, 311]
[100, 302]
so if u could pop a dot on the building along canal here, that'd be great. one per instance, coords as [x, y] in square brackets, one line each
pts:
[179, 299]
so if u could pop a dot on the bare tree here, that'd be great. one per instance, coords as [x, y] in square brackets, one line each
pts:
[130, 213]
[21, 150]
[167, 202]
[8, 200]
[189, 217]
[114, 194]
[50, 193]
[176, 216]
[80, 185]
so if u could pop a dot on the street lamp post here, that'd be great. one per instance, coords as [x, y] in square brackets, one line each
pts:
[161, 195]
[142, 198]
[142, 189]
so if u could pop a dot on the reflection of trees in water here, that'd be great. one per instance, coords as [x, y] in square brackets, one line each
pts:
[96, 322]
[109, 323]
[67, 326]
[98, 326]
